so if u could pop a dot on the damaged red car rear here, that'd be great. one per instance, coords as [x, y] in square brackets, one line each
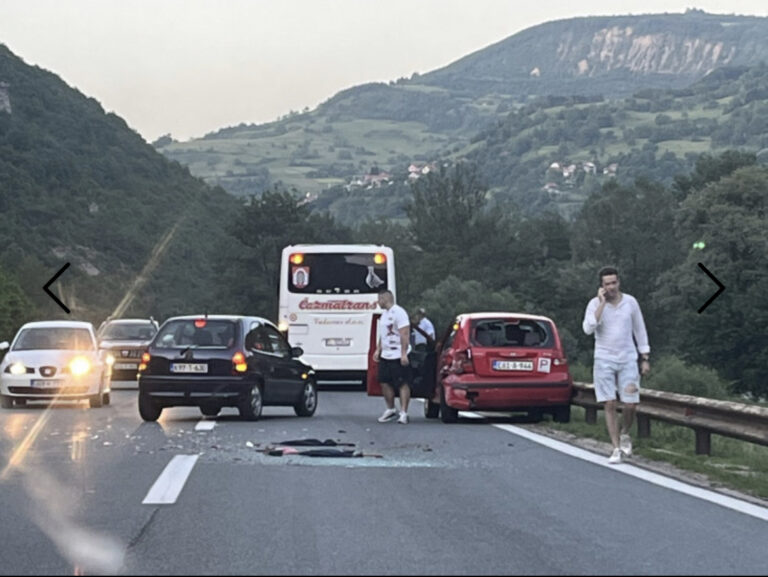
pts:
[502, 362]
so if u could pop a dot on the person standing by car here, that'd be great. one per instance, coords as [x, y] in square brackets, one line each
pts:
[423, 331]
[617, 323]
[392, 348]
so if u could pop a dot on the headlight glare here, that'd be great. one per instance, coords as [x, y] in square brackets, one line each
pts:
[18, 368]
[79, 366]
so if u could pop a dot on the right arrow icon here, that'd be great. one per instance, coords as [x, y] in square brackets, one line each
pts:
[719, 290]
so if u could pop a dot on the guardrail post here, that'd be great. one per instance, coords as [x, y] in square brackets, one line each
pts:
[643, 426]
[703, 444]
[591, 415]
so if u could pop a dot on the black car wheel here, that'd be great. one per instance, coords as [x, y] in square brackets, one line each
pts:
[106, 399]
[6, 402]
[447, 414]
[149, 409]
[431, 409]
[250, 406]
[308, 402]
[210, 410]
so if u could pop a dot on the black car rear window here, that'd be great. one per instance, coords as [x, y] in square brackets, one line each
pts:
[197, 333]
[511, 333]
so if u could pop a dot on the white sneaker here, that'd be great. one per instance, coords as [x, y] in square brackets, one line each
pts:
[615, 457]
[388, 415]
[625, 443]
[403, 420]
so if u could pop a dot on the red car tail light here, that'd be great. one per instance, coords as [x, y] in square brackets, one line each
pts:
[462, 362]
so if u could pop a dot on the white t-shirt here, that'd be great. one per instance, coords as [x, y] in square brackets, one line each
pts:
[620, 327]
[425, 325]
[389, 334]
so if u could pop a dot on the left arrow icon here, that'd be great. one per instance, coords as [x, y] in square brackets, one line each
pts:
[53, 280]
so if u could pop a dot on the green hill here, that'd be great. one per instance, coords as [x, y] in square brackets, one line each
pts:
[78, 185]
[436, 115]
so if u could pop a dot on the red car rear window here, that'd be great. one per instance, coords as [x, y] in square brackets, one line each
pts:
[511, 333]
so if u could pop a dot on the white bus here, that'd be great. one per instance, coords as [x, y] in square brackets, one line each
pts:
[328, 296]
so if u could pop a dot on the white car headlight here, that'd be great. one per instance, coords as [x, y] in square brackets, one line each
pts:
[79, 366]
[109, 359]
[18, 368]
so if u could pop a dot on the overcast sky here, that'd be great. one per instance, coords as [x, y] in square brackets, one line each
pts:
[189, 67]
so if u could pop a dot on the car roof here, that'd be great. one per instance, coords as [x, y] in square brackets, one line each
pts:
[57, 324]
[220, 318]
[504, 315]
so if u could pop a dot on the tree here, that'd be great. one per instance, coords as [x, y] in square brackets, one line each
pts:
[730, 216]
[266, 226]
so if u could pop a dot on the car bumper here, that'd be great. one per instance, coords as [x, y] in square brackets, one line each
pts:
[68, 387]
[192, 392]
[505, 396]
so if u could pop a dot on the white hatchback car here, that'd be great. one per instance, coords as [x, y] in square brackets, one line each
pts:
[58, 360]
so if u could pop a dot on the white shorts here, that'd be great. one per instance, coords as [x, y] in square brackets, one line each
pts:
[611, 377]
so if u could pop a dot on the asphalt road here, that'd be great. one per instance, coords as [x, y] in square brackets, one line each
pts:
[97, 491]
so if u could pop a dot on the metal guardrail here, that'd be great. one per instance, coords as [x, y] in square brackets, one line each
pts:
[705, 416]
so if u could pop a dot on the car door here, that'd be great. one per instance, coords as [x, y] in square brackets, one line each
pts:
[288, 371]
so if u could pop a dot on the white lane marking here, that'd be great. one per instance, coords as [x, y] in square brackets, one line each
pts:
[205, 425]
[171, 481]
[627, 469]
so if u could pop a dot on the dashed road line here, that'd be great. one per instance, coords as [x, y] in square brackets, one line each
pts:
[205, 425]
[171, 481]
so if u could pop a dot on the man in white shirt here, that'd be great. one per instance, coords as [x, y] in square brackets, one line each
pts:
[423, 331]
[617, 323]
[391, 353]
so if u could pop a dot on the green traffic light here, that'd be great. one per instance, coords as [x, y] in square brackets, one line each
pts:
[699, 245]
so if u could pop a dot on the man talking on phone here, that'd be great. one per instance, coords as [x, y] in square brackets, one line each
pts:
[617, 323]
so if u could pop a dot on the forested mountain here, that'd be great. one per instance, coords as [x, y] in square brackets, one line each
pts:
[78, 185]
[387, 127]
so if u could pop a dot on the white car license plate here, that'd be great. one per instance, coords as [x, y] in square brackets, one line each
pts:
[512, 365]
[189, 368]
[46, 383]
[126, 366]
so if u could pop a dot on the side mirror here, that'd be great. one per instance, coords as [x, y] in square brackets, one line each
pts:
[5, 345]
[296, 352]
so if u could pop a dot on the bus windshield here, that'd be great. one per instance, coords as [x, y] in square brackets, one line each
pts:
[339, 273]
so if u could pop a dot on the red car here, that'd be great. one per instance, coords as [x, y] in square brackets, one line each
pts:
[501, 362]
[490, 362]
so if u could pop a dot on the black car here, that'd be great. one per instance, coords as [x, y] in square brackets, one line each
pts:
[223, 361]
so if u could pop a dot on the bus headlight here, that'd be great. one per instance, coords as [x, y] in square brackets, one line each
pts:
[79, 366]
[17, 368]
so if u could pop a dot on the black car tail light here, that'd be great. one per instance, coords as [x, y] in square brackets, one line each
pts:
[238, 362]
[145, 358]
